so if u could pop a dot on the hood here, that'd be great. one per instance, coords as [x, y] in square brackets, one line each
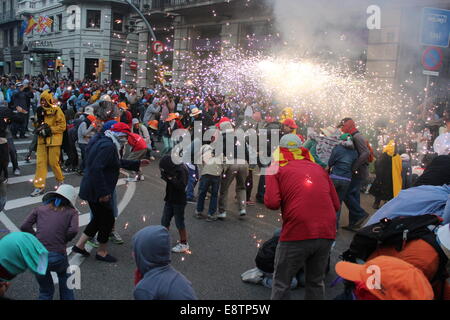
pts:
[349, 127]
[48, 97]
[389, 148]
[151, 248]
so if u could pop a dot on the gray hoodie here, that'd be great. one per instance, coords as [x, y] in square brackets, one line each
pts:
[151, 248]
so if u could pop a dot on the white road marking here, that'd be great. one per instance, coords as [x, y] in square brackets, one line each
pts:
[23, 163]
[30, 177]
[28, 201]
[22, 142]
[8, 223]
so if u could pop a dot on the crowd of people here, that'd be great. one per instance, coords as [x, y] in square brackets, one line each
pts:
[312, 171]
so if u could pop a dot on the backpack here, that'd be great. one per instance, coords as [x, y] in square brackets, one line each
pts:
[265, 257]
[372, 153]
[397, 232]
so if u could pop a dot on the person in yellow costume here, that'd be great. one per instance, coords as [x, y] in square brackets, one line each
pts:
[287, 113]
[388, 181]
[50, 127]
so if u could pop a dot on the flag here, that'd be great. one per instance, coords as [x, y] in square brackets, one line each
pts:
[41, 24]
[31, 25]
[23, 27]
[48, 22]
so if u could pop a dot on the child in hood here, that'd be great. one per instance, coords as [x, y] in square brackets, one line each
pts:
[155, 278]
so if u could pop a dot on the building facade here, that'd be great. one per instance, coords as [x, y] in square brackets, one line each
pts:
[11, 40]
[83, 34]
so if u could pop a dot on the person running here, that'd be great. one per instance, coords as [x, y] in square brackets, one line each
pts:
[360, 171]
[155, 278]
[56, 224]
[175, 199]
[52, 124]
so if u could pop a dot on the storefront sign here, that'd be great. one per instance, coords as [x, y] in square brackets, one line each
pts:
[40, 44]
[19, 64]
[91, 45]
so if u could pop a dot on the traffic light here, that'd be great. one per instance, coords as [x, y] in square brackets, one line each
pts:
[101, 65]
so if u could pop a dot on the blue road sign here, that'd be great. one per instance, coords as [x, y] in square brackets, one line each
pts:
[435, 27]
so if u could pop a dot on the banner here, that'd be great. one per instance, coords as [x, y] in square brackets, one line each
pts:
[31, 25]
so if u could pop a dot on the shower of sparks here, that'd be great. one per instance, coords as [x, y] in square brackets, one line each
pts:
[126, 226]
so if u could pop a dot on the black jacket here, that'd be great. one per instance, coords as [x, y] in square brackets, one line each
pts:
[176, 177]
[437, 173]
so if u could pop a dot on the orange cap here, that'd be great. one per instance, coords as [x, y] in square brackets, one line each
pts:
[398, 280]
[123, 105]
[153, 124]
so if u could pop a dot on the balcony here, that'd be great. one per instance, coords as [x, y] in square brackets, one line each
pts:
[8, 16]
[178, 4]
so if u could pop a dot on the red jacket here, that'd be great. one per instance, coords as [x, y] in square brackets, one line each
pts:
[307, 199]
[136, 142]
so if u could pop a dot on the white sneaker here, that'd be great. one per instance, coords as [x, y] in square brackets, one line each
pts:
[140, 177]
[222, 215]
[242, 213]
[37, 192]
[180, 248]
[17, 172]
[152, 158]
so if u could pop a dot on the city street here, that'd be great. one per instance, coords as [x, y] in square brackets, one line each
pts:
[220, 251]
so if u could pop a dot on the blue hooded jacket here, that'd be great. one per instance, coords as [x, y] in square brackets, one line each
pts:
[417, 201]
[151, 248]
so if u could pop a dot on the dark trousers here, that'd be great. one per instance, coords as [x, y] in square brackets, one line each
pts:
[293, 255]
[261, 188]
[207, 181]
[341, 187]
[57, 262]
[19, 127]
[33, 145]
[353, 200]
[173, 210]
[102, 221]
[249, 184]
[13, 153]
[72, 153]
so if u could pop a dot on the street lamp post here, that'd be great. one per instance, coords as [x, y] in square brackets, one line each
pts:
[149, 27]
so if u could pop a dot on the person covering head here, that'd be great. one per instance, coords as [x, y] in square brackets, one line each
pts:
[388, 278]
[153, 124]
[291, 149]
[222, 120]
[20, 251]
[195, 112]
[442, 144]
[171, 116]
[135, 121]
[389, 149]
[120, 128]
[290, 141]
[47, 97]
[89, 110]
[290, 123]
[108, 125]
[347, 125]
[123, 105]
[66, 191]
[155, 278]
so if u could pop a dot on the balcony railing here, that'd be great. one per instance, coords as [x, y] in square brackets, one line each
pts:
[8, 16]
[165, 4]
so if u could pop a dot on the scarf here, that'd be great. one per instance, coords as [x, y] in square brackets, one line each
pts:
[349, 127]
[20, 251]
[116, 142]
[397, 181]
[282, 156]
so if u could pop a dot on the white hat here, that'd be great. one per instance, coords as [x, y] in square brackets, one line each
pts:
[195, 111]
[106, 98]
[89, 110]
[290, 141]
[66, 191]
[443, 236]
[135, 121]
[442, 144]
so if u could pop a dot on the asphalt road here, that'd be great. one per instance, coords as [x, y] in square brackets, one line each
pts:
[220, 251]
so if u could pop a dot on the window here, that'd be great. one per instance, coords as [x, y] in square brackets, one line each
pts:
[5, 38]
[93, 18]
[60, 22]
[11, 37]
[11, 5]
[19, 37]
[52, 27]
[117, 22]
[4, 7]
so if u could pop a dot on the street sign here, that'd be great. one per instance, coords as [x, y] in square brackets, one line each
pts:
[432, 58]
[133, 65]
[431, 73]
[157, 47]
[435, 27]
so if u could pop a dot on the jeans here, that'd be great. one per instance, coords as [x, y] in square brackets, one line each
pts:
[83, 155]
[341, 187]
[173, 210]
[240, 172]
[192, 182]
[57, 262]
[168, 145]
[352, 201]
[207, 181]
[290, 256]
